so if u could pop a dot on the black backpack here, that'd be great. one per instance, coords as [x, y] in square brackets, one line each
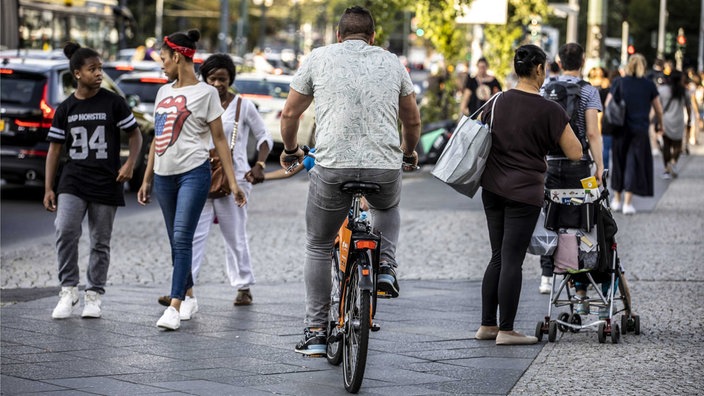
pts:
[568, 95]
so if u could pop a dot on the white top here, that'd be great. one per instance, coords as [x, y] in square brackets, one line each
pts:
[181, 131]
[250, 121]
[357, 88]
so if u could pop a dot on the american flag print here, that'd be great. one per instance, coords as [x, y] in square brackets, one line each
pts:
[170, 115]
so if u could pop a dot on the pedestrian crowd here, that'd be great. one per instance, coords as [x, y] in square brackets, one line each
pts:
[548, 132]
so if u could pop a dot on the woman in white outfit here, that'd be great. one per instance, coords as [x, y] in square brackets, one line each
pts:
[219, 71]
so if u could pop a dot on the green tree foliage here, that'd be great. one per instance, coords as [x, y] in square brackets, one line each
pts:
[437, 18]
[502, 40]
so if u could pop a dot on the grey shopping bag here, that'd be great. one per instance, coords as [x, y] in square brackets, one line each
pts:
[462, 162]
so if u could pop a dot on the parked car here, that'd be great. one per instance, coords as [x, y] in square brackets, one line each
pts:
[115, 69]
[31, 91]
[141, 88]
[269, 93]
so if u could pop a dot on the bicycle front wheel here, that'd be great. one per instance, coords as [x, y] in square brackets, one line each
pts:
[356, 336]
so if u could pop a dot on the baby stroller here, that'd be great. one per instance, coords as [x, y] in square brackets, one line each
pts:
[587, 253]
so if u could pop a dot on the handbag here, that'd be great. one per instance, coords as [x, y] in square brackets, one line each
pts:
[615, 111]
[219, 186]
[462, 162]
[543, 241]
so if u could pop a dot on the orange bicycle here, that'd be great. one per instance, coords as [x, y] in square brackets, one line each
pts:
[355, 264]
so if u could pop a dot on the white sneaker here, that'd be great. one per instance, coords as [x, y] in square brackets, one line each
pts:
[545, 284]
[91, 305]
[170, 320]
[68, 297]
[628, 209]
[615, 205]
[189, 306]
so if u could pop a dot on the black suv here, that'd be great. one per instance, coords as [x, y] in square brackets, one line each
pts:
[31, 91]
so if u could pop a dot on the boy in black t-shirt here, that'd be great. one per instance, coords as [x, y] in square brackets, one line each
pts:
[89, 124]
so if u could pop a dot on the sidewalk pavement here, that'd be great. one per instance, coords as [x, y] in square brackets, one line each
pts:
[426, 344]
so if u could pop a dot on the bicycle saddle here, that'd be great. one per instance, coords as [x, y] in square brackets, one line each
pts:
[363, 188]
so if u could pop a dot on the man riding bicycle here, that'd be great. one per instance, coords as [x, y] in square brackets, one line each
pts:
[361, 92]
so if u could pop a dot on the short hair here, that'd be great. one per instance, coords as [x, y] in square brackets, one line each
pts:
[77, 55]
[527, 58]
[571, 56]
[356, 20]
[187, 40]
[218, 61]
[636, 66]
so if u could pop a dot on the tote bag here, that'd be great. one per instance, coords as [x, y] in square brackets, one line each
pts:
[462, 162]
[615, 112]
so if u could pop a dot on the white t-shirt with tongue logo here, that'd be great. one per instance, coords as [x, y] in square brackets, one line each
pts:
[181, 131]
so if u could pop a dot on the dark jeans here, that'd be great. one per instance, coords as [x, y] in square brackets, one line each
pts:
[510, 225]
[563, 174]
[671, 150]
[182, 198]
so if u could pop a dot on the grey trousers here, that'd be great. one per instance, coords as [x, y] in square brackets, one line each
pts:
[326, 210]
[69, 215]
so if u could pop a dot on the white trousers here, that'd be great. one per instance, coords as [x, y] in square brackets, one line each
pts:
[233, 223]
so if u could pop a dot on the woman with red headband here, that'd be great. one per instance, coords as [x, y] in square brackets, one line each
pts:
[187, 114]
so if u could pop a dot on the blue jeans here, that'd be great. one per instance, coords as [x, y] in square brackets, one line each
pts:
[182, 198]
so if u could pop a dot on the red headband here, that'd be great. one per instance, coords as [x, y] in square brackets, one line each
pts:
[185, 51]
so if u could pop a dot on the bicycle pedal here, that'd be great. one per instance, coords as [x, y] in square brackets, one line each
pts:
[335, 337]
[375, 327]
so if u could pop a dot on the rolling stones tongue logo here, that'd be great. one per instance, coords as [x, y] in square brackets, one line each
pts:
[171, 113]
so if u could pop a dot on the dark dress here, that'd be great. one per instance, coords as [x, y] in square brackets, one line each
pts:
[632, 154]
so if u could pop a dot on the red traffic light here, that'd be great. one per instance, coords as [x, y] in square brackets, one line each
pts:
[681, 40]
[631, 49]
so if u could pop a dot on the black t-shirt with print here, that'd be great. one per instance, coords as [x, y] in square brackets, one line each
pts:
[90, 131]
[481, 91]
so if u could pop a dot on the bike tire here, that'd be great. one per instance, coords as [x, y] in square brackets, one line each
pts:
[357, 326]
[333, 349]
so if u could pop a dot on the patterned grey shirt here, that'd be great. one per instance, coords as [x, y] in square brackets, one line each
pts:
[357, 88]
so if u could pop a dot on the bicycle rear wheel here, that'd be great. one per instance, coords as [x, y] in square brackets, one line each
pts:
[357, 325]
[333, 350]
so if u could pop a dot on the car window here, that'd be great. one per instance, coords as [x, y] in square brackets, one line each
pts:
[145, 91]
[262, 87]
[22, 88]
[68, 85]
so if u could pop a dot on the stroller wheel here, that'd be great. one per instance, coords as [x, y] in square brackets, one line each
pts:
[615, 333]
[636, 324]
[626, 324]
[539, 331]
[601, 331]
[576, 320]
[552, 331]
[563, 317]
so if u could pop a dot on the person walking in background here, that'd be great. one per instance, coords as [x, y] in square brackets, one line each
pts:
[88, 122]
[219, 71]
[631, 150]
[599, 78]
[478, 89]
[361, 92]
[525, 127]
[188, 115]
[583, 99]
[676, 103]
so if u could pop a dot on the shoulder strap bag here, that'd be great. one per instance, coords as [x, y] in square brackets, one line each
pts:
[219, 186]
[463, 160]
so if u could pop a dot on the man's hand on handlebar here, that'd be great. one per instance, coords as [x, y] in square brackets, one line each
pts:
[410, 162]
[291, 159]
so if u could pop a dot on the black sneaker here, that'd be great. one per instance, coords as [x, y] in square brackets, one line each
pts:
[313, 342]
[386, 281]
